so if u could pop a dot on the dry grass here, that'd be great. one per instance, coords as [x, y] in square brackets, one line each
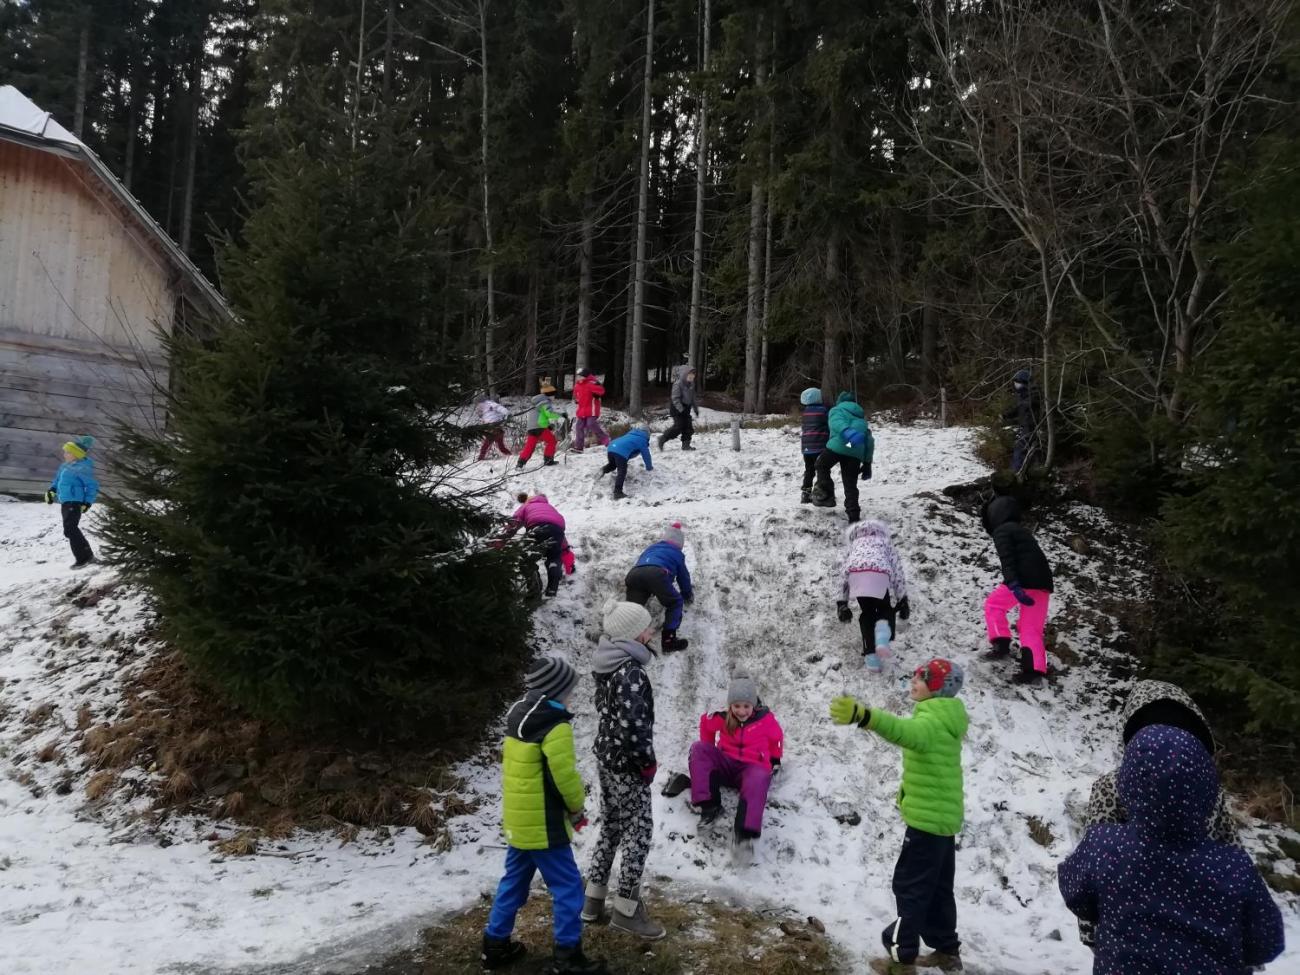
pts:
[702, 938]
[48, 753]
[39, 716]
[1269, 799]
[240, 845]
[100, 785]
[85, 718]
[1040, 832]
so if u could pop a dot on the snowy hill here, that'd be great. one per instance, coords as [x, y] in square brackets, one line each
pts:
[85, 888]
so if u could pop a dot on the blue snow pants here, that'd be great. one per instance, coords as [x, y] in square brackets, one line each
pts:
[560, 872]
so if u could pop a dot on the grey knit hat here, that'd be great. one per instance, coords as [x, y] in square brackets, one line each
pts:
[625, 621]
[673, 533]
[742, 690]
[552, 676]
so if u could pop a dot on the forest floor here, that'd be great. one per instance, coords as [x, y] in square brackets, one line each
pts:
[106, 884]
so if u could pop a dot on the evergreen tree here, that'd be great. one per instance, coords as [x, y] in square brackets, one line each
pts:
[286, 524]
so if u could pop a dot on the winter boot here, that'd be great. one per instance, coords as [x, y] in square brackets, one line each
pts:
[823, 500]
[661, 440]
[709, 811]
[618, 494]
[630, 917]
[940, 960]
[593, 908]
[854, 517]
[1027, 674]
[520, 463]
[82, 564]
[872, 661]
[687, 446]
[571, 961]
[1001, 648]
[671, 643]
[805, 496]
[676, 785]
[500, 952]
[548, 461]
[887, 966]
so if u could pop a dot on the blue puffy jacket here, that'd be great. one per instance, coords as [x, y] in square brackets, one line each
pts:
[666, 555]
[1164, 896]
[75, 483]
[631, 444]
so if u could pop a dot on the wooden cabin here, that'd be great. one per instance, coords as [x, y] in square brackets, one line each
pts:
[88, 280]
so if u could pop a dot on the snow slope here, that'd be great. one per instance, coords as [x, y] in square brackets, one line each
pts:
[83, 889]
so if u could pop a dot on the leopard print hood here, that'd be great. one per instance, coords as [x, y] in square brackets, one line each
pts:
[1148, 692]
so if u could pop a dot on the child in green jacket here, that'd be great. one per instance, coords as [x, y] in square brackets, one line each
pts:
[538, 425]
[542, 798]
[932, 803]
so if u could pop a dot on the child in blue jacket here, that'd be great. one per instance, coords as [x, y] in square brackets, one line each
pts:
[812, 438]
[622, 450]
[659, 567]
[74, 487]
[1163, 895]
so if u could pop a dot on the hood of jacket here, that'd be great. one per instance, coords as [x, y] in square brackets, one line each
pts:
[1168, 784]
[537, 499]
[949, 711]
[862, 529]
[610, 655]
[1157, 702]
[849, 407]
[638, 436]
[844, 397]
[999, 511]
[812, 396]
[541, 399]
[532, 717]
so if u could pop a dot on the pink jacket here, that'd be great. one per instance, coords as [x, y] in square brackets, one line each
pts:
[757, 741]
[537, 511]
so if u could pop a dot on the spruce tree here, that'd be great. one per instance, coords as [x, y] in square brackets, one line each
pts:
[287, 524]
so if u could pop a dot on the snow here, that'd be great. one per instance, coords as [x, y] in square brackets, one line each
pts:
[86, 888]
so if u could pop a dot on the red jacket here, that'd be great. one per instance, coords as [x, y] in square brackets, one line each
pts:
[757, 741]
[587, 393]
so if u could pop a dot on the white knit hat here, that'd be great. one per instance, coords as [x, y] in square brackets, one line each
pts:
[625, 621]
[674, 534]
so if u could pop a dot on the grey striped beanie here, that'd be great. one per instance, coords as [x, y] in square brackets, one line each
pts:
[552, 676]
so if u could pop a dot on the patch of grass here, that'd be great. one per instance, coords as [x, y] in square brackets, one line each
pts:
[100, 785]
[1040, 832]
[48, 753]
[702, 938]
[240, 845]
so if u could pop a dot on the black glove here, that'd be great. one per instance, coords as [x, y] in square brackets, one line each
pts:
[697, 411]
[904, 608]
[689, 600]
[50, 496]
[842, 610]
[776, 765]
[866, 471]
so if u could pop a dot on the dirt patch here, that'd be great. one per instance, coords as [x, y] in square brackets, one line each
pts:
[702, 937]
[1040, 832]
[202, 756]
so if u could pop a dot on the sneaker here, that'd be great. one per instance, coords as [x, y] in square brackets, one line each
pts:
[630, 917]
[1000, 647]
[873, 663]
[940, 960]
[500, 952]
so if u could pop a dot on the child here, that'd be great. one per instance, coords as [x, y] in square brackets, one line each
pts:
[622, 450]
[542, 798]
[625, 754]
[739, 747]
[813, 439]
[540, 418]
[681, 405]
[872, 573]
[1026, 579]
[542, 523]
[493, 415]
[1163, 895]
[931, 799]
[851, 446]
[655, 571]
[587, 392]
[74, 487]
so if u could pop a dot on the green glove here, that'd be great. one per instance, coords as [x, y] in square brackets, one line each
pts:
[845, 710]
[50, 496]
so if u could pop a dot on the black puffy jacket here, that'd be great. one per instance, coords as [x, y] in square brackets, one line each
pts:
[1022, 560]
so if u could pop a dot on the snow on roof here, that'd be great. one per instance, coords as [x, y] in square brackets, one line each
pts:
[22, 120]
[20, 113]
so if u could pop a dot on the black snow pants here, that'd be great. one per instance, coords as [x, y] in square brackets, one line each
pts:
[71, 519]
[850, 468]
[550, 539]
[927, 910]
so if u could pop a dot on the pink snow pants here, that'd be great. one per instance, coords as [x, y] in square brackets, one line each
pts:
[1030, 623]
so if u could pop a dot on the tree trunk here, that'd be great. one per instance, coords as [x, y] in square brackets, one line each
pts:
[929, 319]
[192, 140]
[626, 367]
[489, 328]
[753, 291]
[132, 120]
[388, 50]
[831, 319]
[701, 171]
[637, 366]
[83, 72]
[530, 336]
[1049, 321]
[582, 350]
[761, 405]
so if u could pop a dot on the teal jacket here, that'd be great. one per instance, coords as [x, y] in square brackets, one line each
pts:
[931, 795]
[850, 435]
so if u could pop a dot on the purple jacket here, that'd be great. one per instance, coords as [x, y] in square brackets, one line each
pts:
[536, 511]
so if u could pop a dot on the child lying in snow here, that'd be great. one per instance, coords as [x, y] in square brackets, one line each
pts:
[739, 747]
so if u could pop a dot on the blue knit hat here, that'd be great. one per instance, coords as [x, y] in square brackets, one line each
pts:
[78, 447]
[1021, 376]
[812, 396]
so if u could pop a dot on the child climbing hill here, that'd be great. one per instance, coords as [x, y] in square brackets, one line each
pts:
[812, 438]
[545, 526]
[587, 393]
[656, 570]
[622, 450]
[539, 421]
[872, 573]
[850, 447]
[74, 488]
[1026, 581]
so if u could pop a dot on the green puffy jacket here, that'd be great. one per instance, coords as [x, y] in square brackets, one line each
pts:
[540, 785]
[846, 417]
[931, 795]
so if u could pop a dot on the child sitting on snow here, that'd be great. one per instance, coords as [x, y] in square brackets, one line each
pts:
[872, 574]
[1163, 895]
[739, 747]
[932, 802]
